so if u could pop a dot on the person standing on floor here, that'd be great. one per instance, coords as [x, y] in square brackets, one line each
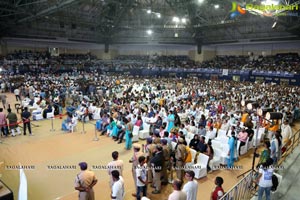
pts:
[3, 98]
[17, 94]
[141, 174]
[128, 133]
[180, 156]
[117, 192]
[116, 164]
[84, 183]
[264, 179]
[3, 123]
[191, 187]
[177, 194]
[135, 161]
[149, 148]
[13, 120]
[156, 166]
[166, 165]
[26, 120]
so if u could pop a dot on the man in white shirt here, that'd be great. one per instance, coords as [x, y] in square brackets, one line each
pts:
[116, 164]
[191, 187]
[141, 175]
[17, 94]
[177, 194]
[286, 132]
[117, 192]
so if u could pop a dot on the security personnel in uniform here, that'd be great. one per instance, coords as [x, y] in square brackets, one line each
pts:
[166, 164]
[149, 149]
[135, 161]
[180, 155]
[84, 183]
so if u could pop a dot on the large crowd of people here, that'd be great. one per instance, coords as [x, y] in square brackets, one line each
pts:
[187, 113]
[178, 110]
[27, 61]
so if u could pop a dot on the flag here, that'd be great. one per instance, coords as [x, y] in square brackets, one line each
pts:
[23, 185]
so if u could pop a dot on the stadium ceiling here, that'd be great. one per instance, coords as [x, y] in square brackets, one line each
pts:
[143, 21]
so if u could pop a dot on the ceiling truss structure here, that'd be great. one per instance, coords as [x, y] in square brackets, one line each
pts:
[127, 21]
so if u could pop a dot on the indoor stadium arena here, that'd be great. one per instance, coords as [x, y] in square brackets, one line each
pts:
[149, 99]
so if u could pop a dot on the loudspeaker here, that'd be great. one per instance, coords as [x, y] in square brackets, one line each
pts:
[106, 47]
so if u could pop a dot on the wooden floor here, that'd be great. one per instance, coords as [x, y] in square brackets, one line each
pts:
[47, 149]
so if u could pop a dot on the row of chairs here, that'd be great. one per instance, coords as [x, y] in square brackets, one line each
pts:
[38, 114]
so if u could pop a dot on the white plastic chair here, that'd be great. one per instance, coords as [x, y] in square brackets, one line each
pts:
[244, 148]
[221, 133]
[189, 135]
[51, 114]
[37, 114]
[96, 114]
[135, 133]
[143, 134]
[216, 161]
[188, 141]
[200, 168]
[216, 144]
[223, 154]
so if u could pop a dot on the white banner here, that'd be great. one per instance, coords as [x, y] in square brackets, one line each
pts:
[225, 72]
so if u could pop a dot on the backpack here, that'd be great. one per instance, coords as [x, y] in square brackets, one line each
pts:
[275, 183]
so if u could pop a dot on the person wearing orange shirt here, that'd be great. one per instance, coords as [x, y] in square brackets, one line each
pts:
[244, 117]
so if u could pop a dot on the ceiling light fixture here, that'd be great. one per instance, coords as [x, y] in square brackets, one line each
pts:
[175, 19]
[149, 32]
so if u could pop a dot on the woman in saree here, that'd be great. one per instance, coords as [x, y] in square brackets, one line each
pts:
[231, 152]
[171, 119]
[128, 133]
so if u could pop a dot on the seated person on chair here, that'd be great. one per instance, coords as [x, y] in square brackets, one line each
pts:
[65, 126]
[194, 142]
[242, 137]
[202, 145]
[48, 109]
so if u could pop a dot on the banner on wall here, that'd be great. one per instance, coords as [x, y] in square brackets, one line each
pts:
[54, 51]
[225, 72]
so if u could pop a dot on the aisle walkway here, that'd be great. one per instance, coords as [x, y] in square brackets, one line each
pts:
[289, 187]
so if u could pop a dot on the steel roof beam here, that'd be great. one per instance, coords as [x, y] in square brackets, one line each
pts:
[50, 10]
